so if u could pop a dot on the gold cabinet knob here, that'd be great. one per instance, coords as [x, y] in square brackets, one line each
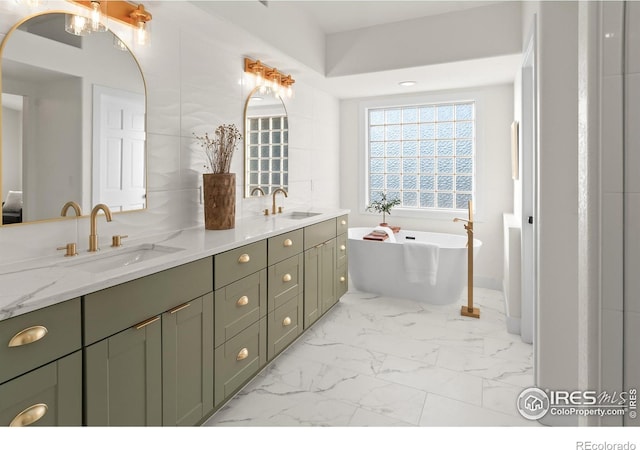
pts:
[244, 258]
[28, 336]
[343, 222]
[342, 279]
[242, 354]
[343, 248]
[286, 322]
[287, 243]
[266, 212]
[30, 415]
[243, 301]
[286, 278]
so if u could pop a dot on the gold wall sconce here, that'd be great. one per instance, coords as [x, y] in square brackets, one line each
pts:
[269, 79]
[125, 12]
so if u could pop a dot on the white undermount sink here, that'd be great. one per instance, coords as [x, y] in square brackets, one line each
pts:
[121, 257]
[297, 215]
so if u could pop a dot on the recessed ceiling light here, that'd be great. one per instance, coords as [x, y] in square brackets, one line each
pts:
[407, 83]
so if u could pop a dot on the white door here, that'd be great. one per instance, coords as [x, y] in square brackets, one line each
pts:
[119, 170]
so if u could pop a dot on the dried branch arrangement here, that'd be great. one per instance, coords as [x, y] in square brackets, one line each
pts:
[219, 149]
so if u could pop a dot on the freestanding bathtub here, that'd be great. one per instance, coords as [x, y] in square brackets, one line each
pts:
[379, 267]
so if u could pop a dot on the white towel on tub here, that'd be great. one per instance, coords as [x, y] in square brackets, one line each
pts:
[389, 231]
[421, 261]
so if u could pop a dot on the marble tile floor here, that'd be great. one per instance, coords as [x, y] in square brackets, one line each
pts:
[380, 361]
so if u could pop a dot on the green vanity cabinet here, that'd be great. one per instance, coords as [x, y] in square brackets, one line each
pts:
[123, 381]
[41, 367]
[320, 270]
[48, 396]
[158, 371]
[187, 362]
[240, 309]
[286, 306]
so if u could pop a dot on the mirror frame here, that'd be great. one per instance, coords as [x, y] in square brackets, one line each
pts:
[247, 194]
[146, 119]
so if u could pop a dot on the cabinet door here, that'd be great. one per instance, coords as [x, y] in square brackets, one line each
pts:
[311, 285]
[187, 362]
[124, 377]
[328, 296]
[48, 396]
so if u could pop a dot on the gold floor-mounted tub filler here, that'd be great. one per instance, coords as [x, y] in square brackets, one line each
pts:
[469, 310]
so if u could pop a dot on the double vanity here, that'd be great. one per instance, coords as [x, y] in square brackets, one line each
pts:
[163, 332]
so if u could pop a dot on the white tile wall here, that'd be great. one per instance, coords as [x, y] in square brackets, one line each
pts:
[194, 71]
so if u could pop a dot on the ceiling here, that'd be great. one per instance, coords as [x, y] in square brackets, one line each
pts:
[334, 16]
[331, 17]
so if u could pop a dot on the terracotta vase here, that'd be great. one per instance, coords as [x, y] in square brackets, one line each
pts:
[219, 200]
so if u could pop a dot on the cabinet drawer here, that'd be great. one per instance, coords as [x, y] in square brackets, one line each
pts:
[238, 305]
[285, 281]
[53, 393]
[341, 251]
[342, 225]
[284, 326]
[234, 264]
[239, 359]
[111, 310]
[39, 337]
[285, 246]
[318, 233]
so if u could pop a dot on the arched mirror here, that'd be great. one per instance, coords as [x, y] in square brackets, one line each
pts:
[73, 122]
[266, 137]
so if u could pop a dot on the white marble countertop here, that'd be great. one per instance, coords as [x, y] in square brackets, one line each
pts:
[33, 284]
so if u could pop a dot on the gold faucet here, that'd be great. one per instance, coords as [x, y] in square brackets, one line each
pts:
[93, 237]
[273, 208]
[257, 189]
[73, 205]
[469, 310]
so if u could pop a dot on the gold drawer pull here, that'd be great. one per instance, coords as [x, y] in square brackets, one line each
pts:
[28, 335]
[179, 308]
[141, 325]
[342, 279]
[343, 222]
[244, 258]
[30, 415]
[343, 247]
[286, 322]
[243, 301]
[286, 278]
[242, 354]
[287, 243]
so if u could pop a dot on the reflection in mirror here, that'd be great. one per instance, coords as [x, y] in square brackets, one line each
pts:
[73, 121]
[266, 144]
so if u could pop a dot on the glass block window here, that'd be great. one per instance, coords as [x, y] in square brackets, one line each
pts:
[268, 162]
[424, 155]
